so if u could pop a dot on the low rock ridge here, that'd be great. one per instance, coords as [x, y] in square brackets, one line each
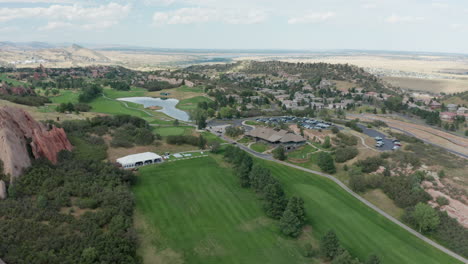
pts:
[22, 137]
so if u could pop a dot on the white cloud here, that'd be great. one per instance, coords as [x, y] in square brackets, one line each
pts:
[8, 29]
[439, 5]
[394, 19]
[37, 1]
[311, 18]
[193, 15]
[60, 16]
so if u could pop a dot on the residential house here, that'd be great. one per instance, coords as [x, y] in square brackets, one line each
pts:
[452, 107]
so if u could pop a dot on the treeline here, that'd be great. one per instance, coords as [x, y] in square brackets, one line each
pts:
[199, 141]
[31, 100]
[158, 85]
[70, 107]
[290, 212]
[78, 211]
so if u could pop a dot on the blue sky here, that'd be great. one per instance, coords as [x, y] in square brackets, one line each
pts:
[409, 25]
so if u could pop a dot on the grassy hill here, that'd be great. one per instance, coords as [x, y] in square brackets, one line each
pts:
[197, 212]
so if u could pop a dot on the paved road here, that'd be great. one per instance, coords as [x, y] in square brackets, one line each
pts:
[374, 133]
[342, 185]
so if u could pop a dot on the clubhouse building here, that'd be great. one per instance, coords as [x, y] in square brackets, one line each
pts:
[276, 137]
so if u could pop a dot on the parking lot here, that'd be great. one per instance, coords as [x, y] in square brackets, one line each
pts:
[308, 123]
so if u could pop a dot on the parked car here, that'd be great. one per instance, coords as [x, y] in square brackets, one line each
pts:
[396, 147]
[378, 138]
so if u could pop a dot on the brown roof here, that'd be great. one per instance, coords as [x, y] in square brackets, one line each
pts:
[273, 136]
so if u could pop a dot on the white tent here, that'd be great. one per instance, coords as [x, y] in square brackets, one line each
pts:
[140, 159]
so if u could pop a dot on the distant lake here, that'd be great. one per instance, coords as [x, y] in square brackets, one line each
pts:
[168, 106]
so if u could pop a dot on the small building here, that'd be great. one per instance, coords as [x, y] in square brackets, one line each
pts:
[462, 111]
[452, 107]
[138, 160]
[276, 137]
[447, 116]
[435, 105]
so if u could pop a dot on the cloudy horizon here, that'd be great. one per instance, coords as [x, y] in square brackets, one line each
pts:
[397, 25]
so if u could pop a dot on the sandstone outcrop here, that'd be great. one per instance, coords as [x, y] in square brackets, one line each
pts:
[21, 137]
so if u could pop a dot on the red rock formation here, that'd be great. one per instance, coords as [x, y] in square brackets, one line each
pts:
[17, 130]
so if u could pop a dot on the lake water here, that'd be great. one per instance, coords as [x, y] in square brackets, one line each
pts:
[168, 106]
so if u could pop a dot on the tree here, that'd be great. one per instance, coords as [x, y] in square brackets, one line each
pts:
[344, 258]
[275, 200]
[326, 163]
[176, 122]
[290, 224]
[357, 181]
[426, 217]
[330, 245]
[335, 130]
[279, 153]
[296, 205]
[201, 142]
[326, 142]
[201, 122]
[373, 259]
[214, 146]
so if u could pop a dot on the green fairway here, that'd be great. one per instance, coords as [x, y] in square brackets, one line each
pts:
[134, 92]
[174, 130]
[210, 137]
[6, 78]
[65, 96]
[362, 230]
[107, 106]
[197, 212]
[191, 103]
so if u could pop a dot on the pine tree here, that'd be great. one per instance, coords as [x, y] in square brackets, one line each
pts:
[290, 224]
[296, 205]
[275, 201]
[330, 245]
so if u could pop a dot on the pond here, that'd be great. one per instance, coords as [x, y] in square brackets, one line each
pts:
[168, 106]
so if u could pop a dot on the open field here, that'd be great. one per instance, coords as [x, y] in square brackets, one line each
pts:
[197, 213]
[107, 106]
[429, 85]
[381, 200]
[360, 229]
[179, 93]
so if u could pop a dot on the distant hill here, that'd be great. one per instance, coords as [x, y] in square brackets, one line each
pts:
[31, 54]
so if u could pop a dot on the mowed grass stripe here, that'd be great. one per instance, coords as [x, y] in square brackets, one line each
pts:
[202, 213]
[362, 230]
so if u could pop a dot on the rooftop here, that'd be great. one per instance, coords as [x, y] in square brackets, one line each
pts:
[130, 159]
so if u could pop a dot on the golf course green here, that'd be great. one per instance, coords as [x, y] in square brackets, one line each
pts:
[197, 211]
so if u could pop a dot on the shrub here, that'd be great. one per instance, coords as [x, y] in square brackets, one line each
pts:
[370, 164]
[441, 200]
[345, 154]
[348, 140]
[279, 153]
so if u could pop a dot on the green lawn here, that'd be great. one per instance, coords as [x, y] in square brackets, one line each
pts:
[212, 137]
[107, 106]
[65, 96]
[195, 89]
[134, 92]
[260, 147]
[301, 153]
[174, 130]
[5, 78]
[254, 123]
[197, 213]
[362, 230]
[191, 103]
